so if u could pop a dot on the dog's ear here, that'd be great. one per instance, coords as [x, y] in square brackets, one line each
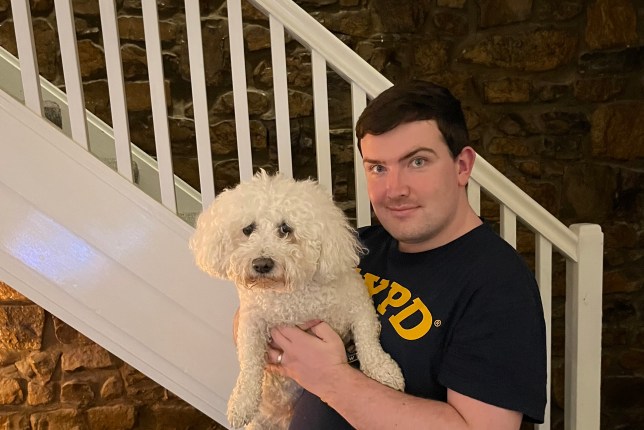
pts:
[211, 239]
[339, 246]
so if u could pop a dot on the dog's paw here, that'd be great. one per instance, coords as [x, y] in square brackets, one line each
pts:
[241, 409]
[387, 372]
[238, 416]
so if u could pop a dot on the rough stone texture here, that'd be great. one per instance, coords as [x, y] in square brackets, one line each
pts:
[21, 327]
[552, 91]
[77, 392]
[611, 23]
[119, 417]
[85, 357]
[537, 51]
[618, 131]
[10, 392]
[501, 12]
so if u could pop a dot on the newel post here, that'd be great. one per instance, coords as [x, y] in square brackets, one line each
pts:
[583, 329]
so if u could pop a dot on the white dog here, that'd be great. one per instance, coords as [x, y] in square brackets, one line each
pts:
[292, 256]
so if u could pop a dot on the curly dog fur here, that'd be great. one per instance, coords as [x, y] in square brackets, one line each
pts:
[292, 256]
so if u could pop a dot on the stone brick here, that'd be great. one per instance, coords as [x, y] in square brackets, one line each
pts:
[259, 103]
[46, 40]
[21, 327]
[43, 364]
[67, 335]
[300, 104]
[175, 416]
[611, 24]
[77, 392]
[558, 10]
[598, 89]
[117, 417]
[8, 294]
[39, 393]
[589, 190]
[450, 23]
[401, 16]
[140, 386]
[131, 28]
[617, 130]
[623, 281]
[357, 23]
[501, 12]
[562, 123]
[224, 141]
[61, 419]
[257, 37]
[457, 4]
[508, 90]
[602, 63]
[92, 59]
[112, 388]
[215, 58]
[14, 421]
[11, 392]
[86, 7]
[518, 146]
[86, 357]
[135, 61]
[430, 57]
[536, 51]
[138, 96]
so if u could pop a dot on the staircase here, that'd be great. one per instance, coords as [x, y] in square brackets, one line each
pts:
[95, 231]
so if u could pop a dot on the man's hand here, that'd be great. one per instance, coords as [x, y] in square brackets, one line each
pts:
[309, 357]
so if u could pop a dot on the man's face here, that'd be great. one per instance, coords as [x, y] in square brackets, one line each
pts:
[416, 188]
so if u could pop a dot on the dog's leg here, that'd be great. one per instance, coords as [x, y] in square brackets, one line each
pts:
[374, 361]
[251, 351]
[276, 409]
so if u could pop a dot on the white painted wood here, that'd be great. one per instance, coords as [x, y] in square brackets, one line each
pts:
[309, 32]
[101, 137]
[114, 264]
[508, 225]
[321, 115]
[474, 195]
[158, 99]
[543, 274]
[27, 53]
[116, 85]
[583, 330]
[533, 215]
[363, 206]
[71, 70]
[240, 96]
[200, 102]
[280, 94]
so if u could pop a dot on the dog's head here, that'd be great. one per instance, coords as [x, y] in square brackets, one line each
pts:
[274, 232]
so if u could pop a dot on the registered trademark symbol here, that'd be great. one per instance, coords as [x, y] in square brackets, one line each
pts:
[437, 323]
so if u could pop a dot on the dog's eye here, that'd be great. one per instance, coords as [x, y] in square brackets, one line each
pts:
[284, 229]
[248, 229]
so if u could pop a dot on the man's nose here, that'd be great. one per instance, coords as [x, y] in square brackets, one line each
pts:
[397, 184]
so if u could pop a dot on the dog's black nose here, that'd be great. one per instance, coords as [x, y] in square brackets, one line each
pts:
[263, 265]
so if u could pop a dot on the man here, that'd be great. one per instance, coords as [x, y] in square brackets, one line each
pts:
[460, 311]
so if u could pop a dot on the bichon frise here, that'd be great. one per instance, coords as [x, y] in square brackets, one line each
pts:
[292, 256]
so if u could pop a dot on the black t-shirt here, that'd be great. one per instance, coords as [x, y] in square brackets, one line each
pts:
[465, 316]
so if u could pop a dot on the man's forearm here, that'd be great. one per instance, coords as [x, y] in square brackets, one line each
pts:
[367, 404]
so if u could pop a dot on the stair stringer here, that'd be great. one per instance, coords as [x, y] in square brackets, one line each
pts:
[94, 250]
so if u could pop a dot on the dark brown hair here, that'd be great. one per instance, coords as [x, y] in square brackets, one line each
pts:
[415, 101]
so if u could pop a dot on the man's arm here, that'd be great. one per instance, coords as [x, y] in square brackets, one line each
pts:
[318, 363]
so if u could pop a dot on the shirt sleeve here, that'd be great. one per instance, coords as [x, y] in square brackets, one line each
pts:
[497, 351]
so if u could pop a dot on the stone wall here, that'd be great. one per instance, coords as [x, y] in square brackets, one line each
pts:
[554, 96]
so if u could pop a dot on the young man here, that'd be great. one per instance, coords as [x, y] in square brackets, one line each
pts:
[460, 311]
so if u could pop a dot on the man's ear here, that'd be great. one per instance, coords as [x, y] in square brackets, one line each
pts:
[465, 164]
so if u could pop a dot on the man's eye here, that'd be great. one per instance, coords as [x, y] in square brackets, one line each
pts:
[248, 229]
[377, 168]
[284, 230]
[418, 162]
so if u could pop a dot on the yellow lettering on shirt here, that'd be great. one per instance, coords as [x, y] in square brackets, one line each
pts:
[397, 297]
[370, 282]
[400, 297]
[420, 329]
